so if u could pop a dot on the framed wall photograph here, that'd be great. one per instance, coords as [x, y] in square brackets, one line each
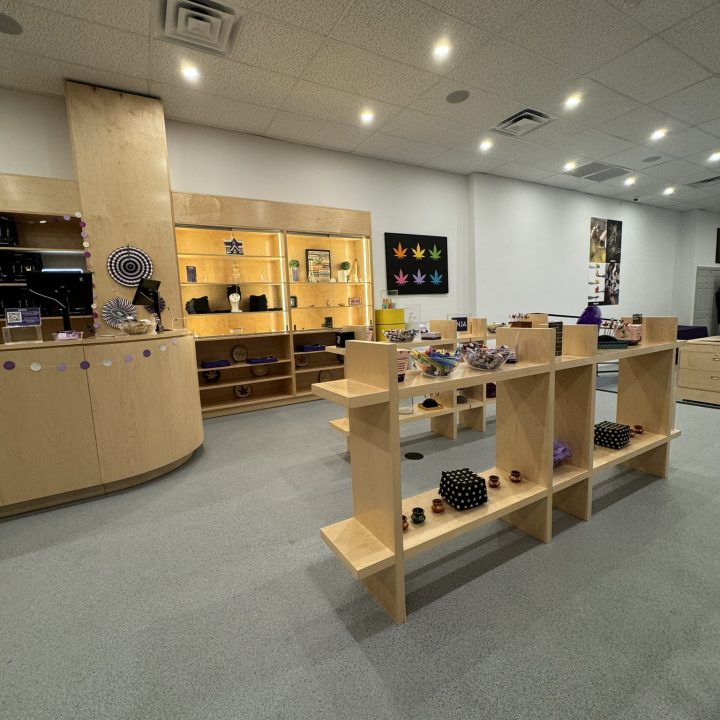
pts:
[318, 265]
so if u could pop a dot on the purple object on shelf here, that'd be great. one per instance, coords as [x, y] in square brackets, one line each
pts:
[259, 360]
[311, 348]
[215, 363]
[561, 452]
[591, 315]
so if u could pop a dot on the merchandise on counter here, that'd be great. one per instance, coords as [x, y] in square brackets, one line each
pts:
[435, 363]
[438, 506]
[259, 360]
[400, 336]
[561, 452]
[198, 306]
[515, 476]
[494, 481]
[215, 363]
[310, 348]
[462, 489]
[418, 515]
[405, 524]
[612, 435]
[491, 390]
[257, 303]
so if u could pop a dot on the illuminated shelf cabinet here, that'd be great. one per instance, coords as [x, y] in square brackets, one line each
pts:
[540, 398]
[303, 312]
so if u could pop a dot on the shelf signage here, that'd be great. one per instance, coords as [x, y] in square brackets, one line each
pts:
[23, 317]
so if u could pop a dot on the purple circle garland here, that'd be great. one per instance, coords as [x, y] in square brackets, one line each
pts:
[61, 366]
[9, 365]
[128, 358]
[84, 364]
[147, 353]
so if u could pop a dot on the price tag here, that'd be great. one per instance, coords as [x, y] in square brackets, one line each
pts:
[23, 317]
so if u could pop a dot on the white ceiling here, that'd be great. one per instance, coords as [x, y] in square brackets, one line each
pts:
[303, 70]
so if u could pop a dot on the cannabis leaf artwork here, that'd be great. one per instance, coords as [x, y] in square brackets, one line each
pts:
[416, 264]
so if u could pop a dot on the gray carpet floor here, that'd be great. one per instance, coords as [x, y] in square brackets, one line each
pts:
[209, 594]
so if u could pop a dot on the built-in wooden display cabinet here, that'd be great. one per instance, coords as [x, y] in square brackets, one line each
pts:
[297, 273]
[540, 398]
[32, 242]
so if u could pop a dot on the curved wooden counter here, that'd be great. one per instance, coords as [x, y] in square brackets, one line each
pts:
[82, 418]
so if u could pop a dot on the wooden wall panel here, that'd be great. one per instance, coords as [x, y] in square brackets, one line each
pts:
[44, 196]
[121, 164]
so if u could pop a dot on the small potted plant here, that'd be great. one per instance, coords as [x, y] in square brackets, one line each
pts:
[294, 270]
[343, 272]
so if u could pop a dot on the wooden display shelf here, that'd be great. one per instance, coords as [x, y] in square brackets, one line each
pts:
[604, 457]
[566, 475]
[231, 257]
[231, 282]
[247, 402]
[318, 368]
[418, 414]
[327, 307]
[341, 424]
[357, 547]
[325, 283]
[350, 393]
[244, 381]
[235, 365]
[240, 336]
[42, 250]
[441, 527]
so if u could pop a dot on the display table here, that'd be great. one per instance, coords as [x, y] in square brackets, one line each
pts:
[86, 417]
[540, 398]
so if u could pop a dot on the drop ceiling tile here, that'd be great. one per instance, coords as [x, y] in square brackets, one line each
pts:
[520, 172]
[598, 105]
[274, 45]
[685, 207]
[604, 190]
[635, 158]
[219, 76]
[407, 30]
[482, 110]
[644, 183]
[679, 171]
[567, 181]
[72, 40]
[689, 142]
[593, 144]
[711, 205]
[694, 105]
[392, 148]
[639, 124]
[712, 127]
[503, 148]
[660, 14]
[505, 69]
[318, 15]
[312, 131]
[47, 76]
[414, 125]
[462, 162]
[197, 107]
[555, 132]
[489, 14]
[703, 160]
[552, 159]
[364, 73]
[131, 15]
[579, 34]
[650, 71]
[329, 104]
[684, 194]
[698, 37]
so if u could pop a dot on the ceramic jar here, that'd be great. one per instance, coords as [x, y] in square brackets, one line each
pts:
[438, 505]
[494, 481]
[418, 516]
[405, 523]
[515, 476]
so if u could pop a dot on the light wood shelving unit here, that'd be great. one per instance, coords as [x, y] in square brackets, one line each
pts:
[699, 371]
[269, 240]
[540, 398]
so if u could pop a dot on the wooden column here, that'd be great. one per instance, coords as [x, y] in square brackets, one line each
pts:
[122, 171]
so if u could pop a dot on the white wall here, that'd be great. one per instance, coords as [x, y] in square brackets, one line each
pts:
[401, 198]
[531, 250]
[34, 136]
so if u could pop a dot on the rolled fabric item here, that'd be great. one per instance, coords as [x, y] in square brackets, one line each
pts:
[215, 363]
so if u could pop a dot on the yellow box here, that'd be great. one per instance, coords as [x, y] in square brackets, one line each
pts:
[388, 320]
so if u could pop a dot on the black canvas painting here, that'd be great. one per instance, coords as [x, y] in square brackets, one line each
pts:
[416, 264]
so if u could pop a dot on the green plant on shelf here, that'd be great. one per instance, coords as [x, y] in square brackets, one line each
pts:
[343, 273]
[294, 269]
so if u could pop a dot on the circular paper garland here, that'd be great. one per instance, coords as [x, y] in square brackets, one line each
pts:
[118, 310]
[129, 265]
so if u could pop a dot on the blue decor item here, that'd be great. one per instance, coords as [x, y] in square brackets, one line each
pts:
[591, 315]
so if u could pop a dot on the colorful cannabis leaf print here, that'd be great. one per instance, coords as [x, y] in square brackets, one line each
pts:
[400, 252]
[436, 278]
[401, 278]
[418, 252]
[419, 278]
[435, 253]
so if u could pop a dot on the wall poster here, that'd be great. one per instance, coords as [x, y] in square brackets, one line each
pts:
[604, 265]
[416, 264]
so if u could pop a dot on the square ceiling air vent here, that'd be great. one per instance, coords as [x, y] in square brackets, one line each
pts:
[598, 171]
[205, 25]
[522, 123]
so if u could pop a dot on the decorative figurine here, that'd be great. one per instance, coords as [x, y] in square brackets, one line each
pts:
[639, 429]
[405, 523]
[234, 299]
[418, 516]
[494, 481]
[515, 476]
[438, 505]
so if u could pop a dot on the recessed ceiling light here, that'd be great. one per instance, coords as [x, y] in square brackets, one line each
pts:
[9, 25]
[714, 157]
[630, 181]
[485, 145]
[659, 134]
[367, 116]
[568, 166]
[190, 72]
[457, 96]
[668, 191]
[441, 51]
[573, 101]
